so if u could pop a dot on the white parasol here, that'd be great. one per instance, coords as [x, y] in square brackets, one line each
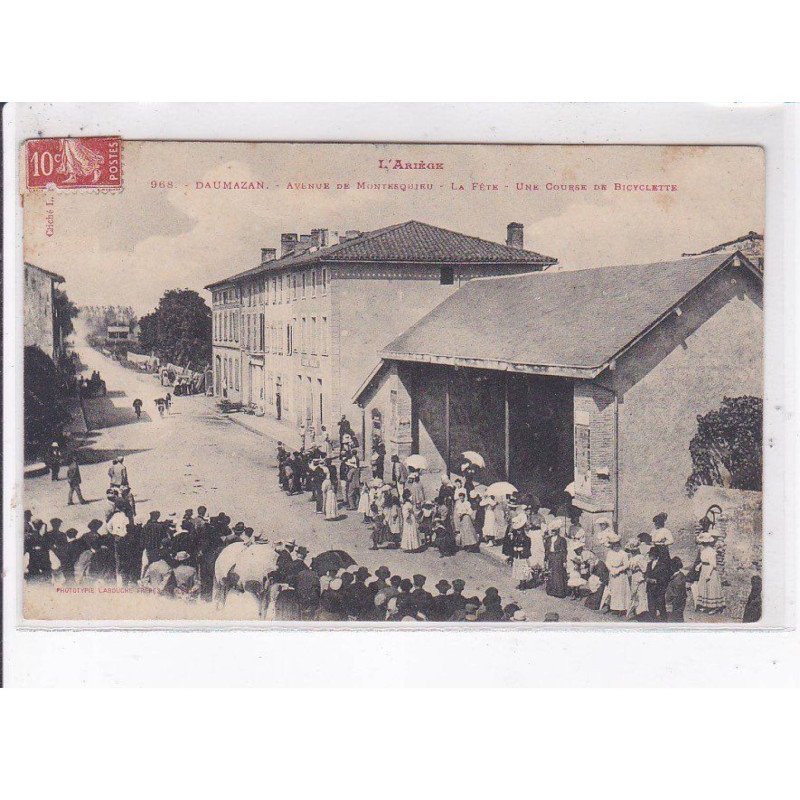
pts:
[475, 458]
[502, 488]
[417, 461]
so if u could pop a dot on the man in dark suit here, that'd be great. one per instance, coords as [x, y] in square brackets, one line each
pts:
[441, 606]
[657, 575]
[306, 583]
[422, 598]
[399, 474]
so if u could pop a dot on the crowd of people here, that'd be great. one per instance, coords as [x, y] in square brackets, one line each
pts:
[637, 580]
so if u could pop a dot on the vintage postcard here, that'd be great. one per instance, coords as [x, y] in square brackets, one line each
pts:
[364, 384]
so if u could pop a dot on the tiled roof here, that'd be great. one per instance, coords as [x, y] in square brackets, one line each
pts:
[567, 323]
[751, 237]
[407, 242]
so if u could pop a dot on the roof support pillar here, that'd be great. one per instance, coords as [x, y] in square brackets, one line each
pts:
[447, 419]
[506, 429]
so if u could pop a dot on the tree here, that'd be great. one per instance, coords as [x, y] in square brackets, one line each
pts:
[65, 311]
[726, 450]
[179, 330]
[45, 410]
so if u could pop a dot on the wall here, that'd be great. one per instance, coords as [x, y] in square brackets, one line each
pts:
[740, 543]
[38, 320]
[374, 304]
[683, 369]
[595, 476]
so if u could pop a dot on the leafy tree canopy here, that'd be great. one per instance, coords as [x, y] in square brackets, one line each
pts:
[726, 450]
[179, 330]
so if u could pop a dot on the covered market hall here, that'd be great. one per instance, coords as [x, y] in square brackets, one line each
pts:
[592, 376]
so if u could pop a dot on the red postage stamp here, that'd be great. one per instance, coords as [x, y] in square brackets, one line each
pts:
[85, 163]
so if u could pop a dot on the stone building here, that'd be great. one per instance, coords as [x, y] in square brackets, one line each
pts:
[591, 376]
[40, 328]
[293, 335]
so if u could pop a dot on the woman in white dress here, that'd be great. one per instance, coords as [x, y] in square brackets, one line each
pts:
[489, 519]
[637, 554]
[331, 504]
[464, 516]
[709, 585]
[619, 588]
[409, 540]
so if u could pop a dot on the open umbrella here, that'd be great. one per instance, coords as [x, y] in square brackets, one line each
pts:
[417, 461]
[331, 559]
[475, 458]
[502, 488]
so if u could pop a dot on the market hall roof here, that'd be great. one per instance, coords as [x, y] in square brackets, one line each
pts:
[408, 242]
[569, 323]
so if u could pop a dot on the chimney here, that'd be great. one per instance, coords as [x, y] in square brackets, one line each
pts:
[515, 235]
[288, 243]
[320, 236]
[267, 254]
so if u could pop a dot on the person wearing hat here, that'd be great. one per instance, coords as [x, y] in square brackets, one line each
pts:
[52, 460]
[426, 524]
[118, 473]
[422, 597]
[153, 534]
[619, 588]
[676, 593]
[520, 551]
[457, 599]
[440, 608]
[708, 588]
[470, 612]
[69, 553]
[306, 583]
[489, 531]
[638, 558]
[603, 528]
[330, 506]
[74, 481]
[381, 580]
[331, 603]
[657, 576]
[186, 584]
[442, 530]
[358, 600]
[661, 535]
[37, 552]
[398, 474]
[577, 569]
[409, 538]
[491, 610]
[464, 516]
[555, 545]
[159, 577]
[596, 585]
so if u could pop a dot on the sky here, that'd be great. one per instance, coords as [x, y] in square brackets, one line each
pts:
[166, 230]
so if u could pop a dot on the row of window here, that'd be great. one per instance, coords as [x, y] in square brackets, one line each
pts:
[226, 326]
[277, 290]
[258, 337]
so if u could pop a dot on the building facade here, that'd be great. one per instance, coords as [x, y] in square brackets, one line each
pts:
[40, 328]
[599, 383]
[298, 331]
